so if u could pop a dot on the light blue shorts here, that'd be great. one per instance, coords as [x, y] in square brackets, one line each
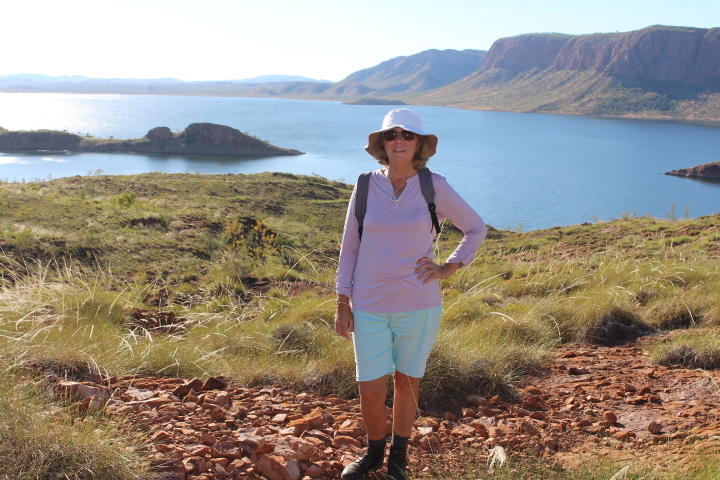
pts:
[385, 342]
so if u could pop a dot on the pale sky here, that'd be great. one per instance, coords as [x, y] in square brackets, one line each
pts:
[321, 39]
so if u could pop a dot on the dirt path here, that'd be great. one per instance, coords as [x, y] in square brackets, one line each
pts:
[586, 399]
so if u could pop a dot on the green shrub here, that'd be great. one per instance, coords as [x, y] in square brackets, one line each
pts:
[126, 199]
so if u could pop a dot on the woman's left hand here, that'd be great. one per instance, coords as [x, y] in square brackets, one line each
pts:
[429, 270]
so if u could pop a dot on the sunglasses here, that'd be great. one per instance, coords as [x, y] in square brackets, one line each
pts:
[391, 135]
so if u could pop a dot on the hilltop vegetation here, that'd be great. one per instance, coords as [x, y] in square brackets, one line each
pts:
[231, 275]
[252, 255]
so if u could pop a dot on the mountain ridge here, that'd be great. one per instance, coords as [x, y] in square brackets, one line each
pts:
[658, 71]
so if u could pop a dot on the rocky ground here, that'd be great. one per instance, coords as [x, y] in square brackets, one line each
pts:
[587, 399]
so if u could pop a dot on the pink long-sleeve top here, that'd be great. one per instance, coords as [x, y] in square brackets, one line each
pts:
[378, 273]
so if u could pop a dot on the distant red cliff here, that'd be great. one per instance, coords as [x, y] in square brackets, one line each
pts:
[653, 54]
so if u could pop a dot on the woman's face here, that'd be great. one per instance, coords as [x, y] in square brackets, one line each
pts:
[401, 151]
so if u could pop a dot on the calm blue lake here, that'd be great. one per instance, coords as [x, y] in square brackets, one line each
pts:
[513, 168]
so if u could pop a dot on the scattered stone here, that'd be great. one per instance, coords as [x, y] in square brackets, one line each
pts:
[654, 428]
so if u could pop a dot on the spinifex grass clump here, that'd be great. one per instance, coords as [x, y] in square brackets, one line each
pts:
[42, 440]
[694, 348]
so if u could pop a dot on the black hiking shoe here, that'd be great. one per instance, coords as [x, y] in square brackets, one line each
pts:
[372, 459]
[397, 464]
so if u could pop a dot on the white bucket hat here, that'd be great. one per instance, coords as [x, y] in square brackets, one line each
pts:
[407, 120]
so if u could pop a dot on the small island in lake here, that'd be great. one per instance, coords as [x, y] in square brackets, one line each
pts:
[707, 170]
[196, 139]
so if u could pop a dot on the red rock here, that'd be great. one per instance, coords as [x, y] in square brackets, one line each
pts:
[623, 436]
[532, 402]
[208, 439]
[79, 391]
[318, 435]
[213, 383]
[350, 428]
[277, 468]
[217, 414]
[174, 467]
[182, 390]
[279, 418]
[198, 450]
[610, 417]
[228, 450]
[137, 394]
[313, 471]
[251, 444]
[532, 390]
[635, 400]
[628, 387]
[160, 436]
[469, 413]
[450, 416]
[222, 399]
[463, 431]
[294, 448]
[237, 464]
[654, 428]
[537, 415]
[527, 428]
[343, 441]
[494, 432]
[300, 425]
[319, 417]
[578, 371]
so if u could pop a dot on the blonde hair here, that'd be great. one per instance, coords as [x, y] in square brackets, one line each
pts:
[420, 159]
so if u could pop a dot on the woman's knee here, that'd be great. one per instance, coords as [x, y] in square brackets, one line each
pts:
[405, 384]
[373, 391]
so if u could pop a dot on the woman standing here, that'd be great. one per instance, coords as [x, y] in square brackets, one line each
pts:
[388, 284]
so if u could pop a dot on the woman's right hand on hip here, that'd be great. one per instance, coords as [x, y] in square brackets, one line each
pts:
[344, 321]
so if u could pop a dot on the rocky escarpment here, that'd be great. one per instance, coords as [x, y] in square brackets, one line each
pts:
[707, 170]
[657, 71]
[196, 139]
[654, 54]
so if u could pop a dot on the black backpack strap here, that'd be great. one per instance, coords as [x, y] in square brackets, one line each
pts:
[428, 191]
[361, 196]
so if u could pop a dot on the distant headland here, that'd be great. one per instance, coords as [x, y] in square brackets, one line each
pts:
[707, 170]
[196, 139]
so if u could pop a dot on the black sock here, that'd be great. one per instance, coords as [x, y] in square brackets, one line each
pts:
[377, 444]
[399, 442]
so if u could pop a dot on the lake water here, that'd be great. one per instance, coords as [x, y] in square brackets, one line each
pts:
[513, 168]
